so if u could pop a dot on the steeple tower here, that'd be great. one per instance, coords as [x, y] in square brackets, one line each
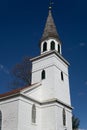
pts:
[50, 69]
[50, 38]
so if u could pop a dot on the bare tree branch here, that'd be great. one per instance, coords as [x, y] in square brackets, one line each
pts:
[21, 73]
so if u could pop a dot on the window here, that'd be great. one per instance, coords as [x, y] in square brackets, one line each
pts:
[58, 48]
[43, 75]
[33, 113]
[44, 46]
[64, 117]
[62, 77]
[0, 120]
[52, 45]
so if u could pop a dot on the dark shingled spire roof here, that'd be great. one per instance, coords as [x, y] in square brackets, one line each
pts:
[50, 29]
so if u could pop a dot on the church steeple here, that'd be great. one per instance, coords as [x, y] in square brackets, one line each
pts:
[50, 69]
[50, 38]
[50, 30]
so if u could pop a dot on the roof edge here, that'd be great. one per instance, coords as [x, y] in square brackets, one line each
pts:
[16, 91]
[49, 53]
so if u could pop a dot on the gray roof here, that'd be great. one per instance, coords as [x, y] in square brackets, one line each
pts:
[50, 29]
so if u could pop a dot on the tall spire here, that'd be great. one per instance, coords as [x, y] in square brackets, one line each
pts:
[50, 30]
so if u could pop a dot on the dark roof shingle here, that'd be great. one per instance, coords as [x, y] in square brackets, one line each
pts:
[50, 29]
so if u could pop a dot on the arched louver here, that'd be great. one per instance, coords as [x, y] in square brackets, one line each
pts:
[58, 48]
[43, 75]
[62, 77]
[52, 45]
[44, 46]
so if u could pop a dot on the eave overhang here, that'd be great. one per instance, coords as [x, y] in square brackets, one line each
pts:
[50, 53]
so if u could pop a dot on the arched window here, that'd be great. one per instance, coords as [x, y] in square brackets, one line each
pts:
[58, 48]
[33, 113]
[64, 117]
[0, 120]
[52, 45]
[43, 75]
[44, 46]
[62, 77]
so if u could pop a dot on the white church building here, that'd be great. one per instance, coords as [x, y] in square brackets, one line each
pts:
[46, 104]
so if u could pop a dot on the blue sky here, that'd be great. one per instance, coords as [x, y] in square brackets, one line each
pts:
[21, 26]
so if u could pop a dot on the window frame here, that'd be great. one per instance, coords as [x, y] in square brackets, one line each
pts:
[64, 117]
[34, 113]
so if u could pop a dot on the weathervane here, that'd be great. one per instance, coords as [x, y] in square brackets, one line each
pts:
[50, 5]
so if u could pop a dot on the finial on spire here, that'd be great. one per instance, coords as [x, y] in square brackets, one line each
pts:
[50, 5]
